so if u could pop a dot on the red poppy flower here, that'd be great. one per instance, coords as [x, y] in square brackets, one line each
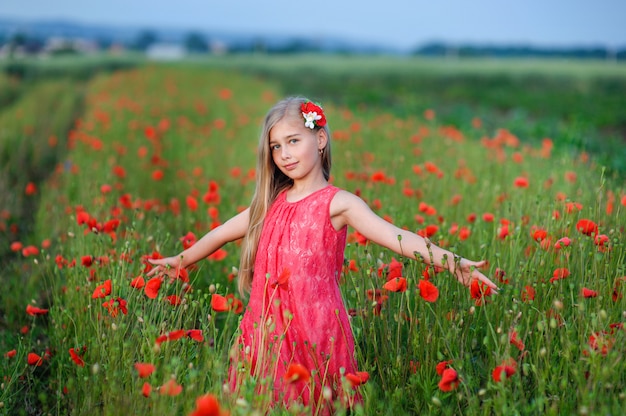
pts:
[560, 273]
[76, 357]
[562, 242]
[282, 280]
[146, 389]
[157, 175]
[500, 276]
[171, 336]
[352, 266]
[30, 251]
[588, 293]
[506, 369]
[297, 372]
[171, 388]
[428, 291]
[144, 369]
[31, 188]
[33, 311]
[111, 225]
[431, 167]
[115, 306]
[219, 254]
[538, 233]
[207, 405]
[504, 231]
[173, 300]
[521, 182]
[119, 171]
[310, 107]
[195, 334]
[192, 203]
[358, 378]
[600, 240]
[617, 295]
[442, 365]
[393, 269]
[152, 287]
[514, 340]
[601, 342]
[427, 209]
[103, 290]
[397, 284]
[177, 334]
[478, 291]
[528, 293]
[219, 303]
[10, 354]
[188, 240]
[138, 282]
[82, 218]
[429, 231]
[464, 233]
[587, 227]
[449, 380]
[34, 359]
[236, 305]
[376, 295]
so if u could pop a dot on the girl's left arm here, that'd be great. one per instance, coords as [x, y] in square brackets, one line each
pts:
[348, 209]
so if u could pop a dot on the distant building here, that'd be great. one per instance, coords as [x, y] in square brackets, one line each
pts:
[165, 51]
[59, 45]
[218, 47]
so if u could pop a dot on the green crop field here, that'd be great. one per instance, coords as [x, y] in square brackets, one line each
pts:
[518, 162]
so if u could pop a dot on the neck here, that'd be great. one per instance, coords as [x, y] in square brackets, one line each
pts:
[300, 189]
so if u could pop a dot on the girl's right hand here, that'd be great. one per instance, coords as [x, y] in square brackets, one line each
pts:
[166, 266]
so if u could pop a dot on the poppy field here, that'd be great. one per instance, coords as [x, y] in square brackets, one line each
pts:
[161, 154]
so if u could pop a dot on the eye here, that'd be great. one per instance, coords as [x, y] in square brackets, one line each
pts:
[274, 147]
[293, 141]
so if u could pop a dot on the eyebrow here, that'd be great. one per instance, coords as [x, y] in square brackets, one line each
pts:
[289, 136]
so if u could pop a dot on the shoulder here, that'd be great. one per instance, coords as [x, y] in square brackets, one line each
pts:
[343, 199]
[345, 203]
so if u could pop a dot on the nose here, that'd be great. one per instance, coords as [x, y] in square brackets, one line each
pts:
[284, 153]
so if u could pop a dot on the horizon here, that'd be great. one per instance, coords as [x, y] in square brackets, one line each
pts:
[399, 24]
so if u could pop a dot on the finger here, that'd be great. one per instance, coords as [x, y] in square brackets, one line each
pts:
[489, 283]
[481, 264]
[478, 275]
[155, 270]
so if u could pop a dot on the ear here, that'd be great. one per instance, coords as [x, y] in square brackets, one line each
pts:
[322, 139]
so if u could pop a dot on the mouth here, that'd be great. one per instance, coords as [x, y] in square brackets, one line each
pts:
[290, 166]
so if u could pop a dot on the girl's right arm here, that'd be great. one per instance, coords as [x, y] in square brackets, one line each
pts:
[233, 229]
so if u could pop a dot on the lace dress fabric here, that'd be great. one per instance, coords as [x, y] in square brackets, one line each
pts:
[296, 312]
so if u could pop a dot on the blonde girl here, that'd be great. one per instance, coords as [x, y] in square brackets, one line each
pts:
[295, 343]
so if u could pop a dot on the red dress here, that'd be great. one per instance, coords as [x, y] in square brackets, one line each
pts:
[296, 313]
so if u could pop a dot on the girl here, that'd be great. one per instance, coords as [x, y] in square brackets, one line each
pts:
[296, 342]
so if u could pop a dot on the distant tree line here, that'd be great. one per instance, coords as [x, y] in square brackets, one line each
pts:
[198, 43]
[444, 49]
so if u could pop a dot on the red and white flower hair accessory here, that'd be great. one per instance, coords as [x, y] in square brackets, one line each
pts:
[313, 115]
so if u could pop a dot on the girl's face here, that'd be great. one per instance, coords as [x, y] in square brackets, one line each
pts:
[295, 149]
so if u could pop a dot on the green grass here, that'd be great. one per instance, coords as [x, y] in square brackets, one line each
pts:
[577, 103]
[204, 136]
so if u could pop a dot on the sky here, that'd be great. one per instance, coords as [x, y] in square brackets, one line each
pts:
[401, 24]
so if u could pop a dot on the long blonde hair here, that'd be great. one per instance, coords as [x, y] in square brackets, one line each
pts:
[270, 181]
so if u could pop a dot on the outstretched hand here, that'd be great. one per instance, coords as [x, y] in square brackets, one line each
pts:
[468, 270]
[169, 266]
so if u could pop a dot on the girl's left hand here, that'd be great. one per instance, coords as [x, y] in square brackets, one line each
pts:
[468, 270]
[169, 266]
